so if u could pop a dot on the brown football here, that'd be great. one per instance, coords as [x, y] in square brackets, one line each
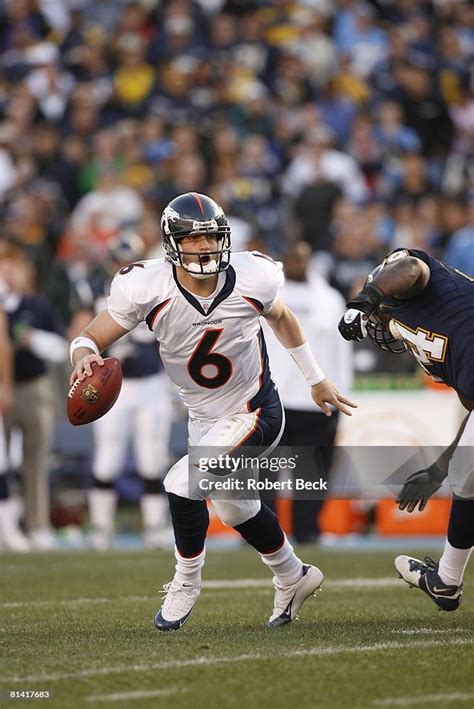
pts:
[90, 399]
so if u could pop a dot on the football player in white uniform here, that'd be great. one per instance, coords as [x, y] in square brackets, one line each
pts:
[205, 314]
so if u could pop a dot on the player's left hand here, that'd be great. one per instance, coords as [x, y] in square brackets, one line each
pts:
[417, 490]
[326, 393]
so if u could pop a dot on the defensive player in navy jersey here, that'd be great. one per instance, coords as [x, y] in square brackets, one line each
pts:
[413, 302]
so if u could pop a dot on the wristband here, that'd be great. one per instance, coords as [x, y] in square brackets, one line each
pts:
[306, 362]
[368, 300]
[82, 342]
[437, 474]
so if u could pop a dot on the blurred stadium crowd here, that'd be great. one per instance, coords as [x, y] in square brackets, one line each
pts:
[348, 125]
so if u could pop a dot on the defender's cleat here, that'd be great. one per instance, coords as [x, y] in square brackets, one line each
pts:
[424, 575]
[289, 599]
[177, 606]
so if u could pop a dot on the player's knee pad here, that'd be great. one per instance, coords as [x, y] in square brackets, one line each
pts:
[176, 481]
[235, 512]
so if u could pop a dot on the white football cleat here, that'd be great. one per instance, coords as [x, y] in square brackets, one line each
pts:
[289, 599]
[424, 575]
[177, 606]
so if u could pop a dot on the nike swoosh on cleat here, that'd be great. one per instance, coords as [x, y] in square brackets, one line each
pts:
[287, 610]
[442, 591]
[286, 615]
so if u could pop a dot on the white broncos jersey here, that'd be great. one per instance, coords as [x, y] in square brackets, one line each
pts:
[212, 348]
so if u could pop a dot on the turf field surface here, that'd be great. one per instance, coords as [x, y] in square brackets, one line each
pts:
[79, 625]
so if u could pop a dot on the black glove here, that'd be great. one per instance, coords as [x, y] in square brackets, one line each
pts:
[353, 325]
[419, 487]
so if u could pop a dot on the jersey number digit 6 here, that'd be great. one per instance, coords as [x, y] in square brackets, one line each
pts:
[203, 356]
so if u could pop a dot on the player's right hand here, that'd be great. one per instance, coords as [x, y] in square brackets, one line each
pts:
[83, 368]
[417, 490]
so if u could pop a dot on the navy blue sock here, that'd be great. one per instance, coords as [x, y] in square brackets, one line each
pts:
[461, 523]
[263, 532]
[190, 520]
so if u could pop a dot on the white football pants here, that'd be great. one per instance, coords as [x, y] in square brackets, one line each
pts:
[226, 434]
[461, 465]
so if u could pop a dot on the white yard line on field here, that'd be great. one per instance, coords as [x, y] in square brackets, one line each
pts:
[217, 585]
[424, 699]
[427, 631]
[233, 659]
[127, 696]
[359, 582]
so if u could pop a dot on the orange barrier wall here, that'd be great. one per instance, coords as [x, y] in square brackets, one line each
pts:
[347, 517]
[390, 521]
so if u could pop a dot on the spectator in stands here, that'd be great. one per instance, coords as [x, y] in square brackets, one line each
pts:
[48, 83]
[393, 137]
[460, 249]
[101, 212]
[134, 78]
[425, 112]
[317, 158]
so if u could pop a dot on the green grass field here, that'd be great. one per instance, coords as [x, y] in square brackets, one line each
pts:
[79, 625]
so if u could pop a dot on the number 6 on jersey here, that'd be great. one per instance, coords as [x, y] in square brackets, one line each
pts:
[203, 356]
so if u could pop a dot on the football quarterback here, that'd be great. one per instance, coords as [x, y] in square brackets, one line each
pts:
[204, 309]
